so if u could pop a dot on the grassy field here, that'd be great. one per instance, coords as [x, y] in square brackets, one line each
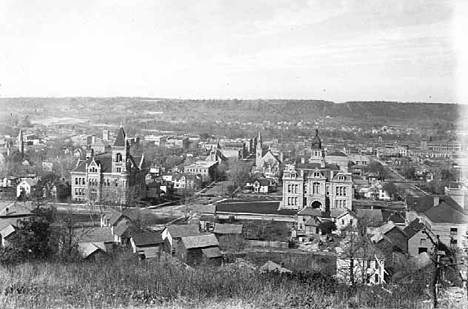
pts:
[126, 282]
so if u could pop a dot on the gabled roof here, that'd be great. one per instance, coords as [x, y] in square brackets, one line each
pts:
[312, 222]
[212, 252]
[445, 213]
[263, 182]
[178, 231]
[147, 239]
[200, 241]
[15, 209]
[122, 227]
[338, 213]
[88, 248]
[309, 211]
[413, 228]
[31, 182]
[225, 229]
[120, 139]
[420, 204]
[103, 160]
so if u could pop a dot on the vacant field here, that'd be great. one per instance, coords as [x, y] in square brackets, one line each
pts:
[125, 282]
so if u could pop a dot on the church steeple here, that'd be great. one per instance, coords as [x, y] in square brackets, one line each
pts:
[259, 150]
[21, 142]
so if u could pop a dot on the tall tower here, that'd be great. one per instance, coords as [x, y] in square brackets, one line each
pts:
[120, 152]
[21, 142]
[259, 151]
[317, 155]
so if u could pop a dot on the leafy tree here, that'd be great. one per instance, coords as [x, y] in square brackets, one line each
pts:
[238, 172]
[327, 227]
[377, 168]
[31, 240]
[409, 173]
[390, 188]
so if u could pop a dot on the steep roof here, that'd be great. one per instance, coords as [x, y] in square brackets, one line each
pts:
[120, 139]
[200, 241]
[178, 231]
[445, 213]
[312, 222]
[147, 239]
[316, 141]
[104, 160]
[413, 228]
[225, 229]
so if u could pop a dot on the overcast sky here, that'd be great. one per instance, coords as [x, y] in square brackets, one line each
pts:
[403, 50]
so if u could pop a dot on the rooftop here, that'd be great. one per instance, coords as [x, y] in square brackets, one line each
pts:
[253, 207]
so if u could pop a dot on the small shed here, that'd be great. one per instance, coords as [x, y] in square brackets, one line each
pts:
[229, 235]
[147, 245]
[199, 249]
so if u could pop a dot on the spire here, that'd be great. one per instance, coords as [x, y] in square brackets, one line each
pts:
[120, 140]
[20, 141]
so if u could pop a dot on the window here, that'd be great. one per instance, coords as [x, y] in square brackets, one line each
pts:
[376, 278]
[315, 188]
[337, 190]
[344, 191]
[76, 181]
[295, 201]
[119, 170]
[289, 188]
[118, 157]
[423, 242]
[344, 204]
[453, 242]
[336, 204]
[453, 231]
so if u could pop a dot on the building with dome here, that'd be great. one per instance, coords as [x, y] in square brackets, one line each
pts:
[115, 177]
[316, 183]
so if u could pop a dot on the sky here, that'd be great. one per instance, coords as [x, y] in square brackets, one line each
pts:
[338, 50]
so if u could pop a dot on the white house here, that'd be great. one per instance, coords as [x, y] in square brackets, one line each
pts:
[27, 186]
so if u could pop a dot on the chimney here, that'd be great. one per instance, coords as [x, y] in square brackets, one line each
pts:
[436, 200]
[302, 160]
[281, 157]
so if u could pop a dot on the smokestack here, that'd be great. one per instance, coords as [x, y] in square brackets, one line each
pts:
[302, 160]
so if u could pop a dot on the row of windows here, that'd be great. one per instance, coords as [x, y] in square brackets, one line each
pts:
[196, 170]
[292, 188]
[341, 191]
[340, 204]
[292, 201]
[80, 181]
[93, 170]
[79, 191]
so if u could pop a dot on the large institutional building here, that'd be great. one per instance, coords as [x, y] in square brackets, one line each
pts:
[116, 177]
[317, 184]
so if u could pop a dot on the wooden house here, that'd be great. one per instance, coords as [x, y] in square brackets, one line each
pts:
[147, 245]
[173, 233]
[199, 249]
[228, 235]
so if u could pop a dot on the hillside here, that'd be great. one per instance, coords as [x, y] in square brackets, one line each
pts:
[105, 109]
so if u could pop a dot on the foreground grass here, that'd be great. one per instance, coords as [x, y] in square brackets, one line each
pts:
[128, 283]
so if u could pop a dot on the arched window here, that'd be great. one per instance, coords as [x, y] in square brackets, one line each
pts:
[316, 188]
[118, 157]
